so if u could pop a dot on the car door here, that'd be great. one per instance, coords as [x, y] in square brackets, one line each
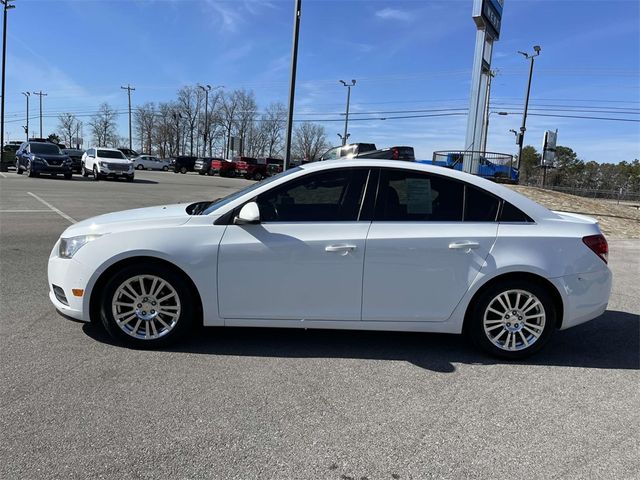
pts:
[304, 259]
[430, 237]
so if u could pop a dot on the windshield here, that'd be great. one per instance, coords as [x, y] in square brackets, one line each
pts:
[111, 154]
[230, 198]
[45, 148]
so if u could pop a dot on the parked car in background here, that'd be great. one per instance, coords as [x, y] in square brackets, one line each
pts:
[130, 154]
[35, 158]
[446, 252]
[203, 166]
[486, 168]
[224, 168]
[251, 168]
[9, 156]
[150, 162]
[369, 150]
[76, 158]
[106, 163]
[184, 164]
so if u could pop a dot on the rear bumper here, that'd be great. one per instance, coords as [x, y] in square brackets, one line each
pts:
[585, 296]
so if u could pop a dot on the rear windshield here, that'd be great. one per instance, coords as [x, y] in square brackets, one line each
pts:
[111, 154]
[45, 148]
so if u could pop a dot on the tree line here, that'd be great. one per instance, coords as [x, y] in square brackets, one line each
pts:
[229, 124]
[570, 171]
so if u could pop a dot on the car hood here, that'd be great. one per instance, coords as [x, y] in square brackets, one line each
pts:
[137, 219]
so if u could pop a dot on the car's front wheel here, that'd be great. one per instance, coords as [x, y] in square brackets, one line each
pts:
[30, 171]
[146, 305]
[96, 173]
[183, 170]
[513, 319]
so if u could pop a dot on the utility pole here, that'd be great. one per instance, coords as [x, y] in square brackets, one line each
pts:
[40, 94]
[523, 128]
[292, 82]
[6, 6]
[177, 116]
[129, 88]
[346, 118]
[26, 128]
[206, 89]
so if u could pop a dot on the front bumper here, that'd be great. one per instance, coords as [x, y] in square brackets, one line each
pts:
[107, 172]
[41, 168]
[585, 296]
[65, 274]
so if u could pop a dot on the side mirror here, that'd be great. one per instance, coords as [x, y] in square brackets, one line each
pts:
[250, 213]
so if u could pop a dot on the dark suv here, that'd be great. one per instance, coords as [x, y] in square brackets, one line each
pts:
[8, 156]
[76, 158]
[184, 164]
[42, 157]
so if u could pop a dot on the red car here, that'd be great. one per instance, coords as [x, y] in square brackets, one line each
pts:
[224, 168]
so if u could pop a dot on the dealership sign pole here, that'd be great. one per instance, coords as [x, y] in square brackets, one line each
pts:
[487, 15]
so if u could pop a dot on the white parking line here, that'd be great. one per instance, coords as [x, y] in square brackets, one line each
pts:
[26, 211]
[3, 175]
[47, 204]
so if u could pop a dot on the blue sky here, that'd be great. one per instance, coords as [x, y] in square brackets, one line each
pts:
[405, 55]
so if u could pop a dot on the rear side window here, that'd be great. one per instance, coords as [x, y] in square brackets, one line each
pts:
[480, 206]
[513, 214]
[406, 196]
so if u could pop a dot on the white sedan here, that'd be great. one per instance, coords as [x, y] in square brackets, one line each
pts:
[149, 162]
[346, 244]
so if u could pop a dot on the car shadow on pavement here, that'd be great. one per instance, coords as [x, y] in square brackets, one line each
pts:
[612, 342]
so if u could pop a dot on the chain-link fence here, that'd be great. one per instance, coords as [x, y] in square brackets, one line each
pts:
[492, 165]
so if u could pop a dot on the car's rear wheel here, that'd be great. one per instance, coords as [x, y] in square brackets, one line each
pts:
[140, 167]
[258, 176]
[513, 319]
[146, 305]
[165, 168]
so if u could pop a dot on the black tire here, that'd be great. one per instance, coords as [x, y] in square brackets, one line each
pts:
[140, 167]
[85, 172]
[30, 172]
[210, 173]
[183, 170]
[96, 173]
[130, 179]
[184, 321]
[202, 173]
[18, 170]
[67, 176]
[258, 176]
[476, 327]
[165, 169]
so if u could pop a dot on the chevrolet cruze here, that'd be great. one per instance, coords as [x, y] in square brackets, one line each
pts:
[346, 244]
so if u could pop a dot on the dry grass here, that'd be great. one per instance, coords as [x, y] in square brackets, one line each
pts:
[616, 221]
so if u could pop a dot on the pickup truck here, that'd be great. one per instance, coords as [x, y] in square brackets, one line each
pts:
[369, 150]
[251, 168]
[486, 168]
[224, 168]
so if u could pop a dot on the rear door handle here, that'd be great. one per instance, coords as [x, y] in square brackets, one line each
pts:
[342, 249]
[464, 245]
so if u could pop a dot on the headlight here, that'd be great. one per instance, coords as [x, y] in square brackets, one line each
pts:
[103, 164]
[69, 246]
[38, 160]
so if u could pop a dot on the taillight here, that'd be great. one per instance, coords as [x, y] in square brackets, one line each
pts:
[598, 244]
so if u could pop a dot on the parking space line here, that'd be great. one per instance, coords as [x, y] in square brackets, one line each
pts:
[3, 175]
[26, 211]
[47, 204]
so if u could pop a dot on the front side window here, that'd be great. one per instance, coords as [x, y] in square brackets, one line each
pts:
[331, 196]
[111, 154]
[405, 196]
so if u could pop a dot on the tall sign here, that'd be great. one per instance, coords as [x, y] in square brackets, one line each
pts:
[549, 143]
[487, 15]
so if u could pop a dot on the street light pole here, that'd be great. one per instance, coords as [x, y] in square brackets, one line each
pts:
[40, 94]
[6, 6]
[26, 128]
[129, 88]
[177, 117]
[297, 12]
[523, 128]
[346, 118]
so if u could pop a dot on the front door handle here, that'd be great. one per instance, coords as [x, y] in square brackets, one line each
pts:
[464, 245]
[342, 249]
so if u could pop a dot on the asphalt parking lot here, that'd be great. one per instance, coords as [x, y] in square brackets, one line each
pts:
[254, 403]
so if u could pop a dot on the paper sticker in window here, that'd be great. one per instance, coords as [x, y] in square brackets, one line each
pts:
[419, 196]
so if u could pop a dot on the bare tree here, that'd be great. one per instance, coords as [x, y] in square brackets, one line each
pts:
[103, 126]
[309, 141]
[272, 125]
[164, 130]
[144, 121]
[68, 127]
[246, 115]
[189, 102]
[228, 111]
